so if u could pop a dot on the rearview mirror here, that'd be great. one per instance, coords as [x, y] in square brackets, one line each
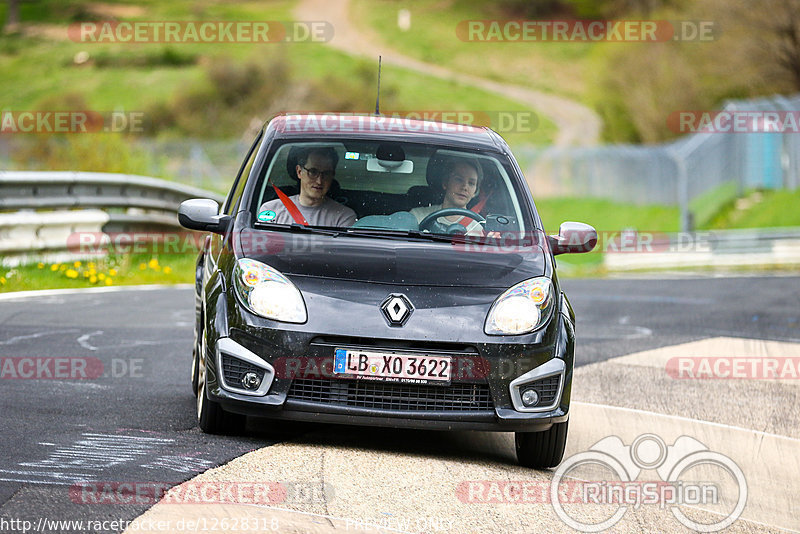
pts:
[202, 214]
[573, 237]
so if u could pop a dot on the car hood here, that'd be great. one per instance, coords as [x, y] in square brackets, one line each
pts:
[391, 261]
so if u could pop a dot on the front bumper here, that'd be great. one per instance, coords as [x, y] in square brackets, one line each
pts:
[498, 372]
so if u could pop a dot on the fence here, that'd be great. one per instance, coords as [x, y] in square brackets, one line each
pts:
[697, 172]
[209, 164]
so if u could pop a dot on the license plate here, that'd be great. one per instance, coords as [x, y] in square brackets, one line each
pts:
[390, 367]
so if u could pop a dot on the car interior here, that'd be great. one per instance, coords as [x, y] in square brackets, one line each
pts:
[397, 180]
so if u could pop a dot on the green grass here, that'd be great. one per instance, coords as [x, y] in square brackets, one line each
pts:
[120, 269]
[707, 206]
[558, 67]
[121, 86]
[606, 215]
[760, 209]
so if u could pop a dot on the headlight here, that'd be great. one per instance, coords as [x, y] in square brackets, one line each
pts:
[521, 309]
[268, 293]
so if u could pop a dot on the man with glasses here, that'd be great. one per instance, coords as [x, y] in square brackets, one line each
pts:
[315, 169]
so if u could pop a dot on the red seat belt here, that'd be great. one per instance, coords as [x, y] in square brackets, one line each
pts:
[290, 207]
[464, 221]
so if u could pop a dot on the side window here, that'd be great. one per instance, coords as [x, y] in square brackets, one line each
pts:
[241, 179]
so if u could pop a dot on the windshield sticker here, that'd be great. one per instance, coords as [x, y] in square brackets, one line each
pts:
[351, 155]
[266, 215]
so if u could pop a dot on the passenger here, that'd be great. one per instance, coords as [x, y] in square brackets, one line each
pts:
[461, 183]
[315, 169]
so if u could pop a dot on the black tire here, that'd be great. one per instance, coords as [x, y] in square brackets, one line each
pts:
[195, 376]
[195, 361]
[211, 418]
[541, 450]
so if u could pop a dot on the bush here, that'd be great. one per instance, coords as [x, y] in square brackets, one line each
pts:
[165, 57]
[235, 95]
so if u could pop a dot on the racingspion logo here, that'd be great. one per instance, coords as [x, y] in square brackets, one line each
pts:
[692, 480]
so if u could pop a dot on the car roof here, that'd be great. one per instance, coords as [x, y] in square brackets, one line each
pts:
[362, 126]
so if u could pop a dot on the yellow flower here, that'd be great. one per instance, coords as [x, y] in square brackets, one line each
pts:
[62, 267]
[153, 264]
[41, 266]
[85, 274]
[92, 272]
[71, 273]
[167, 270]
[3, 280]
[54, 267]
[76, 264]
[112, 272]
[142, 266]
[93, 279]
[101, 276]
[90, 265]
[109, 281]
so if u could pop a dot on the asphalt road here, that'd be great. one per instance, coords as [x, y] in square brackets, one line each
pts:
[132, 418]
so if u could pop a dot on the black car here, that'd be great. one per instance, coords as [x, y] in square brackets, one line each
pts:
[422, 293]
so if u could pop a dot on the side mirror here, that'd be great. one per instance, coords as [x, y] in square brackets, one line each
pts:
[573, 237]
[202, 214]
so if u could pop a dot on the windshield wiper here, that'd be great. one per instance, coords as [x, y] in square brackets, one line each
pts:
[391, 233]
[300, 228]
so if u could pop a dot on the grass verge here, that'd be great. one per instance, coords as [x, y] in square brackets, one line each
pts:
[760, 209]
[607, 215]
[118, 270]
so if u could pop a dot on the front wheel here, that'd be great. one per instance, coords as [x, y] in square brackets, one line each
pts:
[541, 450]
[211, 418]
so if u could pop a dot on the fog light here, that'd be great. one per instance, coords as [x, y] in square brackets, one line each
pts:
[251, 381]
[530, 397]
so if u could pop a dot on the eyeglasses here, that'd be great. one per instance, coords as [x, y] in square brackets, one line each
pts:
[469, 180]
[314, 173]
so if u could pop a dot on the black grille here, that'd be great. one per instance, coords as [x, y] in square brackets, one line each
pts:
[388, 396]
[234, 369]
[547, 388]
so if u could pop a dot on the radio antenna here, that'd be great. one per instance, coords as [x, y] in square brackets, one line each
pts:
[378, 97]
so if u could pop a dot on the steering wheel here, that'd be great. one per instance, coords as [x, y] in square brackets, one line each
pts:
[428, 222]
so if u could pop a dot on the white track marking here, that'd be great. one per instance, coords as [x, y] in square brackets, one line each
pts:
[14, 339]
[17, 295]
[83, 340]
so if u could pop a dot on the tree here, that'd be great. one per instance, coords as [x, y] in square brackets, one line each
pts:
[771, 39]
[12, 18]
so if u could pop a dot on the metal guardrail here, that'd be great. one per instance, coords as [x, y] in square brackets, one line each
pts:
[39, 211]
[756, 247]
[50, 190]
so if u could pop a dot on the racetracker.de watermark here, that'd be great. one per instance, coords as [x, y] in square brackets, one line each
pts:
[200, 492]
[69, 368]
[71, 122]
[206, 31]
[733, 367]
[467, 121]
[585, 31]
[425, 121]
[734, 121]
[263, 241]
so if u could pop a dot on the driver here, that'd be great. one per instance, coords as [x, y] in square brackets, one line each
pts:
[315, 170]
[461, 183]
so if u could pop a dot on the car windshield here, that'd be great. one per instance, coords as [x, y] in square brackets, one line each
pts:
[385, 187]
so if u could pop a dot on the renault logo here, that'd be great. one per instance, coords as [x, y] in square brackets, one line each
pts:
[397, 309]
